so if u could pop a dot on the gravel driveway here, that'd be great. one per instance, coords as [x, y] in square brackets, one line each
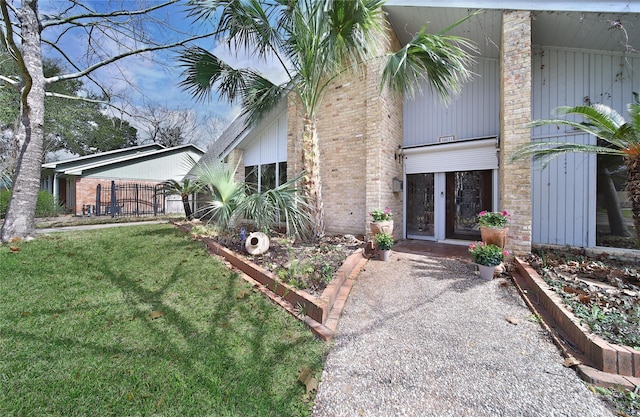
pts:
[424, 336]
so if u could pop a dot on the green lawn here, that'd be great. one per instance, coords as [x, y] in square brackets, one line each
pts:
[78, 335]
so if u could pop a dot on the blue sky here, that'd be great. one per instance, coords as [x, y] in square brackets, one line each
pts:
[153, 78]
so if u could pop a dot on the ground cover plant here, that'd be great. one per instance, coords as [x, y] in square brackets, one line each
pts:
[307, 266]
[141, 320]
[604, 293]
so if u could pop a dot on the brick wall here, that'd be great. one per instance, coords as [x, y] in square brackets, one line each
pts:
[359, 131]
[235, 160]
[383, 141]
[515, 100]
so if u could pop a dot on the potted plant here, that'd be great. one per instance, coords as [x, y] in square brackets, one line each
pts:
[487, 257]
[493, 228]
[384, 242]
[382, 221]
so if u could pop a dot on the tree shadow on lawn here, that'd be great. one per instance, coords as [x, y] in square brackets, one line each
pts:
[223, 355]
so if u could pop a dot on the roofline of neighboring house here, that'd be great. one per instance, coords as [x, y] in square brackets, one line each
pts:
[101, 154]
[78, 170]
[612, 6]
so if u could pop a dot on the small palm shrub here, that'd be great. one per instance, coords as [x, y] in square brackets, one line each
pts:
[228, 202]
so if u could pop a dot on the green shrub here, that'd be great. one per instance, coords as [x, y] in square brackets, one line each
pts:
[46, 206]
[5, 195]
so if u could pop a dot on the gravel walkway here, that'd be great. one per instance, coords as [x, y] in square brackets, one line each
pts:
[424, 336]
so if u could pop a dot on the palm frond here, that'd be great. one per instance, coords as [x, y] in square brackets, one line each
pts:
[355, 30]
[440, 60]
[284, 203]
[634, 114]
[259, 96]
[222, 191]
[597, 114]
[545, 152]
[203, 72]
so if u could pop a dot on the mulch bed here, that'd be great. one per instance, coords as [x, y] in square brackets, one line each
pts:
[602, 292]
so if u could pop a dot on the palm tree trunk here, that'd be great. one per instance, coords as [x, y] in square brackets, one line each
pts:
[633, 190]
[311, 181]
[607, 189]
[187, 206]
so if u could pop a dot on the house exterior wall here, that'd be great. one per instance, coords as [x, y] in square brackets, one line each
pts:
[515, 105]
[384, 122]
[171, 166]
[235, 160]
[474, 113]
[359, 132]
[564, 204]
[86, 190]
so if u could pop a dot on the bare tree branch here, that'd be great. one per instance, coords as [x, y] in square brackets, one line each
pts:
[89, 100]
[93, 15]
[123, 55]
[15, 52]
[10, 81]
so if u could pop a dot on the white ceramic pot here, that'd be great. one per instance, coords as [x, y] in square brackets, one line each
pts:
[257, 243]
[384, 255]
[486, 272]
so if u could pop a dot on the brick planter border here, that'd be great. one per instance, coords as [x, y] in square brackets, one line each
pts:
[614, 364]
[319, 313]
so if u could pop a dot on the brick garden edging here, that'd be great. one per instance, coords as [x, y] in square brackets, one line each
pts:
[604, 363]
[320, 314]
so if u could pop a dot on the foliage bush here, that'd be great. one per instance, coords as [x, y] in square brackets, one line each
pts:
[46, 206]
[384, 241]
[5, 195]
[489, 255]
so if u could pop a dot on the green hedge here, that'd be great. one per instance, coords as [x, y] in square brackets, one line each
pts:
[46, 205]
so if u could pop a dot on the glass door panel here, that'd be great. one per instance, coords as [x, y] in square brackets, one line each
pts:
[420, 205]
[468, 193]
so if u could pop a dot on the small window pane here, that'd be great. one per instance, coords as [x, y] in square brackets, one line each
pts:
[282, 172]
[251, 177]
[267, 177]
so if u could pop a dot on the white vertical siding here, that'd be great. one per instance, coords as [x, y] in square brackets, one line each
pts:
[564, 194]
[472, 114]
[270, 145]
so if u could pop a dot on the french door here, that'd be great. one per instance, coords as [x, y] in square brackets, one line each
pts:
[468, 193]
[444, 205]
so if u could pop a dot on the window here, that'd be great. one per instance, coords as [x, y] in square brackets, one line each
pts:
[265, 177]
[251, 177]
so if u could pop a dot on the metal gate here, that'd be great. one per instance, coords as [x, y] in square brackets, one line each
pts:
[129, 199]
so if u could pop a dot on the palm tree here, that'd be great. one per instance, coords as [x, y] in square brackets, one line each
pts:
[228, 200]
[315, 41]
[617, 137]
[184, 189]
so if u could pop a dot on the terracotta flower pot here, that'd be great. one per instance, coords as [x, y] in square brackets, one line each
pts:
[494, 235]
[382, 227]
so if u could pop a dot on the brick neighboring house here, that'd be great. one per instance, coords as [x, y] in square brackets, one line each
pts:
[74, 181]
[437, 166]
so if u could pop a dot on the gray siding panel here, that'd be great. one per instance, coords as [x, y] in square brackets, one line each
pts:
[564, 194]
[472, 114]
